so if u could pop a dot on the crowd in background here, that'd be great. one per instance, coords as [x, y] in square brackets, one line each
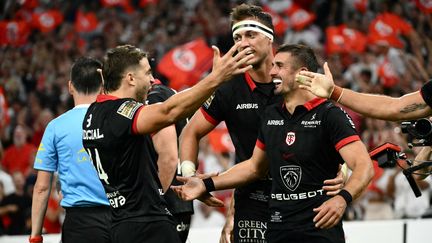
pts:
[371, 46]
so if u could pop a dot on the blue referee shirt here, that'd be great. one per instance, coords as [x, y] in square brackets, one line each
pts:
[61, 150]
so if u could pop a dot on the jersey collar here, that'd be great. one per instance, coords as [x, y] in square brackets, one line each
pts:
[314, 103]
[250, 82]
[310, 104]
[104, 97]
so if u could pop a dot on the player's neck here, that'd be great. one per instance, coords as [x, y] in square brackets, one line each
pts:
[82, 99]
[296, 98]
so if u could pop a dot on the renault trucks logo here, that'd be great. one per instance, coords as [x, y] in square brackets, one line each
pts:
[290, 138]
[291, 176]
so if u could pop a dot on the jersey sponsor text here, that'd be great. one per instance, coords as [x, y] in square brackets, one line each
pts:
[92, 134]
[296, 196]
[247, 106]
[275, 122]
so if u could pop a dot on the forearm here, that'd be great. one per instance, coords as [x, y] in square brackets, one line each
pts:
[177, 107]
[407, 107]
[239, 175]
[189, 146]
[424, 155]
[39, 207]
[361, 176]
[41, 194]
[167, 166]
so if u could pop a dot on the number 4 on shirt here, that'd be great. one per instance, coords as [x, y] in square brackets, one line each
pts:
[100, 170]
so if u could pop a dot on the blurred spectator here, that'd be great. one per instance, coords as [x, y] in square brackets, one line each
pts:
[20, 155]
[17, 207]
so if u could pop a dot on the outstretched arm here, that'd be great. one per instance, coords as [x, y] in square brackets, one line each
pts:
[181, 105]
[408, 107]
[241, 174]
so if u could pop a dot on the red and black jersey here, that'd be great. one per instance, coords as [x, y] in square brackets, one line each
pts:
[240, 103]
[302, 149]
[123, 160]
[426, 93]
[160, 93]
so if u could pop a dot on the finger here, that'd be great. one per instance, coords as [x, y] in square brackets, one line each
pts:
[323, 220]
[332, 192]
[329, 223]
[307, 74]
[243, 70]
[327, 70]
[306, 87]
[216, 54]
[320, 213]
[233, 49]
[334, 181]
[302, 79]
[182, 179]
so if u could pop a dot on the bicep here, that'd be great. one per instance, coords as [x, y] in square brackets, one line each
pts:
[354, 153]
[152, 118]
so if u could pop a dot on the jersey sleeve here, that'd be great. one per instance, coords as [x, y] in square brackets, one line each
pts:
[340, 128]
[124, 120]
[426, 93]
[46, 157]
[213, 109]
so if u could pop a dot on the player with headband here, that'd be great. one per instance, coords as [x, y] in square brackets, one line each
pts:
[240, 103]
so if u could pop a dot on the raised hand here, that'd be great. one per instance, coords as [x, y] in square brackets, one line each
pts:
[321, 85]
[231, 63]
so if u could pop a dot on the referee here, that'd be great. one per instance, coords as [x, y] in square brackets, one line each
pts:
[88, 215]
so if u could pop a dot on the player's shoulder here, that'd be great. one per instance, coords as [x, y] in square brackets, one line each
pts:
[236, 84]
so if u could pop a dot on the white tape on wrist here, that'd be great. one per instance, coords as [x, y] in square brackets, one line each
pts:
[188, 168]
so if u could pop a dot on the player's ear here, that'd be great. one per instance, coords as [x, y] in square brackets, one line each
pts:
[70, 88]
[130, 79]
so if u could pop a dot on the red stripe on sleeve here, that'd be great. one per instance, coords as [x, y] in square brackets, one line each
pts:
[135, 120]
[209, 118]
[346, 141]
[260, 144]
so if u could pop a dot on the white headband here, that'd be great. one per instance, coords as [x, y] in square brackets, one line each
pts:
[254, 26]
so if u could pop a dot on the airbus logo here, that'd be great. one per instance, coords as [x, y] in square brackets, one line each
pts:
[246, 106]
[275, 122]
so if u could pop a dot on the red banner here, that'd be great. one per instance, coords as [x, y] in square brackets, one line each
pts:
[341, 39]
[184, 65]
[299, 18]
[424, 5]
[86, 22]
[47, 21]
[386, 28]
[14, 33]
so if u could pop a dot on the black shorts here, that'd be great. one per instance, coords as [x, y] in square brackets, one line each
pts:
[145, 232]
[182, 221]
[87, 225]
[249, 226]
[310, 235]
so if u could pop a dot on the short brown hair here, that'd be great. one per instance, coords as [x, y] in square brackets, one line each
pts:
[117, 61]
[245, 11]
[304, 55]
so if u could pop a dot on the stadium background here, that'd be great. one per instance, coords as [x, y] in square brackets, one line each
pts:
[371, 46]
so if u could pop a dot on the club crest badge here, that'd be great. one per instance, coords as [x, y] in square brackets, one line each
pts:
[290, 138]
[291, 176]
